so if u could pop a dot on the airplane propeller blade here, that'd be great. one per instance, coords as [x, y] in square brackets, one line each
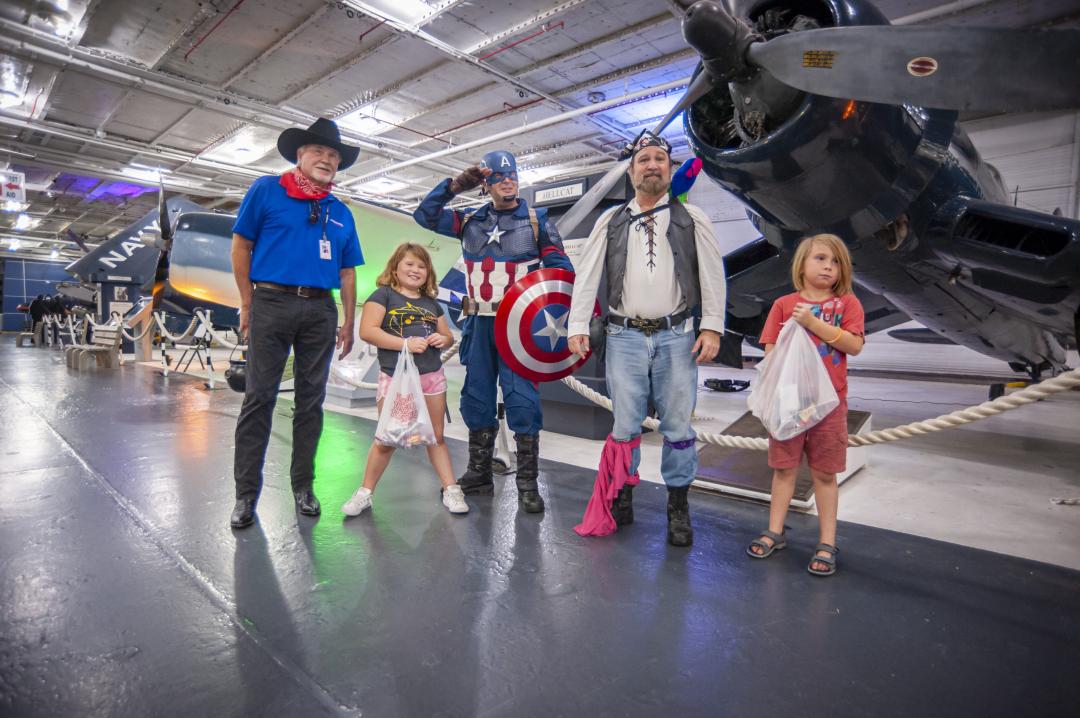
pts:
[163, 216]
[991, 70]
[581, 209]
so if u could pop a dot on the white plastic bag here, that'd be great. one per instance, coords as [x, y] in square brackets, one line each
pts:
[793, 391]
[404, 421]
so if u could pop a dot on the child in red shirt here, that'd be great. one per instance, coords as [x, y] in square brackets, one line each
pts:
[825, 305]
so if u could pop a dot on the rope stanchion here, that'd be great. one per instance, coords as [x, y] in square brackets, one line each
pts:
[202, 316]
[165, 332]
[1063, 382]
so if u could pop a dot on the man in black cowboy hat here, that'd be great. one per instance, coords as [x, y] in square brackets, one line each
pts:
[293, 242]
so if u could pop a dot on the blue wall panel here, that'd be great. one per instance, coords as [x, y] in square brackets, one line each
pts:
[24, 280]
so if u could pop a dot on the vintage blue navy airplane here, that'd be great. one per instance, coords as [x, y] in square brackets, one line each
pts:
[816, 114]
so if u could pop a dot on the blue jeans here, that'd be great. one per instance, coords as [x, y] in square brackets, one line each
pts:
[658, 367]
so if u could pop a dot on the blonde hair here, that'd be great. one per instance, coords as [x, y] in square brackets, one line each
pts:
[840, 252]
[388, 278]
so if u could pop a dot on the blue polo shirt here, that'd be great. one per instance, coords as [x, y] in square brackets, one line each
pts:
[286, 242]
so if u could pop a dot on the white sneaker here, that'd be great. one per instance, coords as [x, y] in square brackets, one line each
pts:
[360, 500]
[454, 500]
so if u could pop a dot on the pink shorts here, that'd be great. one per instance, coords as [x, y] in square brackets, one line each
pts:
[432, 384]
[825, 445]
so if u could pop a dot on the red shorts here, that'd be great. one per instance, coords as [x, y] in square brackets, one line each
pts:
[432, 384]
[825, 445]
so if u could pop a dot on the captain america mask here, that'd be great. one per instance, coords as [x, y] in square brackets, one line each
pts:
[502, 164]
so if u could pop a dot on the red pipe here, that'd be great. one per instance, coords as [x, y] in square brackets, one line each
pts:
[506, 108]
[215, 27]
[541, 31]
[370, 29]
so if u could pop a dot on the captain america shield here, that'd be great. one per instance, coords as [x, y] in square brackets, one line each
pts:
[530, 326]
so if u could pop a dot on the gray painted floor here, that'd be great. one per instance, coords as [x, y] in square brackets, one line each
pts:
[123, 591]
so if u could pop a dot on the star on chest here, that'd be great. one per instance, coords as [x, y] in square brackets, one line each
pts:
[494, 235]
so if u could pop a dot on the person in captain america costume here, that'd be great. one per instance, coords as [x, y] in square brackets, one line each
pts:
[501, 242]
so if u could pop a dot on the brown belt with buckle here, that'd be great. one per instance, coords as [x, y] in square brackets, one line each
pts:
[648, 326]
[472, 308]
[304, 292]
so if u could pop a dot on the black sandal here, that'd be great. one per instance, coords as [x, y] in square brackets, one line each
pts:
[829, 561]
[779, 543]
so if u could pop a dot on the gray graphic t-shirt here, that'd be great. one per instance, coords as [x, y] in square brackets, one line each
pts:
[408, 317]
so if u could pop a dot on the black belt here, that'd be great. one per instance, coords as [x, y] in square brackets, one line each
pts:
[648, 326]
[305, 292]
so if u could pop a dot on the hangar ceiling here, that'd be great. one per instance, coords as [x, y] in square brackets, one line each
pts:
[100, 98]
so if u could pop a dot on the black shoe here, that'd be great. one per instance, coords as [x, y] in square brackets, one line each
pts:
[528, 458]
[530, 501]
[679, 530]
[622, 508]
[477, 477]
[306, 503]
[243, 514]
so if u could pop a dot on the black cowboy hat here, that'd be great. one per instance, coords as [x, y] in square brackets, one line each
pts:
[322, 132]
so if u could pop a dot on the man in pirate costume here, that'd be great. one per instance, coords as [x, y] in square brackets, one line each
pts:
[664, 275]
[501, 242]
[293, 242]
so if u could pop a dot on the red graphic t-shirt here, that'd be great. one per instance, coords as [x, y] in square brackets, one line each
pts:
[844, 312]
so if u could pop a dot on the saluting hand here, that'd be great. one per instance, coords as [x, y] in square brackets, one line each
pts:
[469, 179]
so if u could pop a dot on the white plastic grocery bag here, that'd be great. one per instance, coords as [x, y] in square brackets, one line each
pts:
[793, 391]
[404, 420]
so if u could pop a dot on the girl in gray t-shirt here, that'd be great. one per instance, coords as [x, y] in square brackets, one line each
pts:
[401, 313]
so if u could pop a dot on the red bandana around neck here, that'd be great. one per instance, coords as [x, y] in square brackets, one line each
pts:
[298, 186]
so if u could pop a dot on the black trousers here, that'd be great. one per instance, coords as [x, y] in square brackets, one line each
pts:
[280, 322]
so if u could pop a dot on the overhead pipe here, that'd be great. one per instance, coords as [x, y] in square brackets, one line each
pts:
[215, 27]
[44, 47]
[517, 131]
[538, 33]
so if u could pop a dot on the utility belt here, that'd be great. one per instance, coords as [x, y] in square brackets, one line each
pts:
[304, 292]
[648, 326]
[470, 307]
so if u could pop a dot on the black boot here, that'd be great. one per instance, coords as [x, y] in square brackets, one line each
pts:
[622, 508]
[679, 531]
[528, 454]
[477, 476]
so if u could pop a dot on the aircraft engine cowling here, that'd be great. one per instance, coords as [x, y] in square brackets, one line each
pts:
[806, 163]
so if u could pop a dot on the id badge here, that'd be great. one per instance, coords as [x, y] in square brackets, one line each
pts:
[324, 248]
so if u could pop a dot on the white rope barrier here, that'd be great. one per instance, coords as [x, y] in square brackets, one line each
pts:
[165, 332]
[203, 316]
[1063, 382]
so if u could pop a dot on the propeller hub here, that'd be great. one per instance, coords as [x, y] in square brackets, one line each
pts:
[720, 39]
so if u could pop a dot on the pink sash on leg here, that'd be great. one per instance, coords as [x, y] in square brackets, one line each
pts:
[614, 473]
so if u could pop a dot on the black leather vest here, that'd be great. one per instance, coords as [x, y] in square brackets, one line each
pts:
[680, 236]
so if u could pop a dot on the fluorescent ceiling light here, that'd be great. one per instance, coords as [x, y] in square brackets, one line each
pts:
[54, 253]
[382, 185]
[12, 206]
[363, 123]
[406, 12]
[144, 173]
[25, 221]
[14, 78]
[243, 148]
[14, 243]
